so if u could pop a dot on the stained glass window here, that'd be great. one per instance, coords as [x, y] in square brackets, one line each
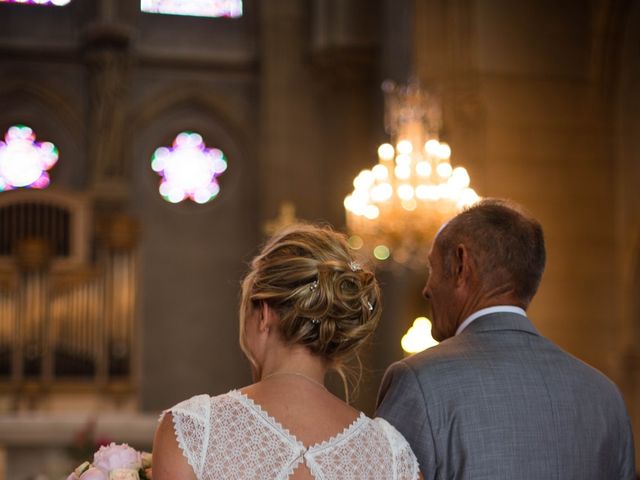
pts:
[196, 8]
[23, 161]
[56, 3]
[189, 169]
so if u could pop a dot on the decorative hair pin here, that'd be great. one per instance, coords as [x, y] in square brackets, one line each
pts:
[313, 286]
[355, 266]
[369, 306]
[315, 321]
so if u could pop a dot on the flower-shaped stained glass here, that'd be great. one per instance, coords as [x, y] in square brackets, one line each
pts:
[189, 169]
[23, 161]
[195, 8]
[56, 3]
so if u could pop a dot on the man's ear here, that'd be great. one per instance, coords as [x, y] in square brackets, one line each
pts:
[463, 268]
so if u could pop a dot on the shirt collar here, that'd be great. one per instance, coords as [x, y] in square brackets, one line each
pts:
[486, 311]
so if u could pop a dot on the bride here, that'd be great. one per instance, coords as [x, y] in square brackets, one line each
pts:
[307, 306]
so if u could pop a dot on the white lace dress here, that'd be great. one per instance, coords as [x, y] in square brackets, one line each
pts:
[231, 437]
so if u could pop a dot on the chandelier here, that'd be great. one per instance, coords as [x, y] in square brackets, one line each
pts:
[397, 206]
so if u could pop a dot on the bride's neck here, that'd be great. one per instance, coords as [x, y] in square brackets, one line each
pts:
[296, 359]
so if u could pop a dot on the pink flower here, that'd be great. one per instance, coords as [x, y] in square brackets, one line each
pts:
[114, 456]
[93, 474]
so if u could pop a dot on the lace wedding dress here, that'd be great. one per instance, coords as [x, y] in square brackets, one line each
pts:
[231, 437]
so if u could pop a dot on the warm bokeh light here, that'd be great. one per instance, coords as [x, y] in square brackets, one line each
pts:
[404, 147]
[402, 172]
[405, 192]
[380, 172]
[386, 151]
[23, 161]
[444, 169]
[189, 169]
[355, 242]
[381, 252]
[418, 337]
[371, 212]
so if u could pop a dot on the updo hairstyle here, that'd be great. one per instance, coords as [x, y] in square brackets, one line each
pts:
[325, 300]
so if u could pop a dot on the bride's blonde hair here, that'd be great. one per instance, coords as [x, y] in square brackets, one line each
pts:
[325, 300]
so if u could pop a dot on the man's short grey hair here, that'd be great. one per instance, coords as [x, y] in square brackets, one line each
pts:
[505, 242]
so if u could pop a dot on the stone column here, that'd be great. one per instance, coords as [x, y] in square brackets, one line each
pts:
[119, 348]
[107, 56]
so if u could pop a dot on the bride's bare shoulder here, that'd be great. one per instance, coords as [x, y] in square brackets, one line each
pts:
[168, 461]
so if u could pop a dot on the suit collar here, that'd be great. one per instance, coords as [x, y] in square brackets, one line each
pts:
[501, 321]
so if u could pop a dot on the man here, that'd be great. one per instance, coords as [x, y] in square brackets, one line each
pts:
[496, 400]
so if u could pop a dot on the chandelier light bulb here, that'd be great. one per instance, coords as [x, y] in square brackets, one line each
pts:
[444, 151]
[358, 208]
[460, 178]
[361, 196]
[348, 203]
[404, 147]
[467, 198]
[432, 147]
[381, 193]
[409, 205]
[364, 180]
[371, 212]
[444, 169]
[380, 172]
[386, 151]
[403, 172]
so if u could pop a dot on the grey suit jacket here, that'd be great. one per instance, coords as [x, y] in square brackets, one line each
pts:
[499, 401]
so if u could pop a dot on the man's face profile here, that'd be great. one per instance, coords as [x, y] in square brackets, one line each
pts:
[438, 291]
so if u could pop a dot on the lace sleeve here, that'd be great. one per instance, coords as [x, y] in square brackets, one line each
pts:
[191, 426]
[405, 462]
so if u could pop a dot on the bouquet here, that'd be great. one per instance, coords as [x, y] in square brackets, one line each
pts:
[115, 462]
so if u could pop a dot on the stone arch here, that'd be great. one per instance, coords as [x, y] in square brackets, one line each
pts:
[62, 108]
[176, 97]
